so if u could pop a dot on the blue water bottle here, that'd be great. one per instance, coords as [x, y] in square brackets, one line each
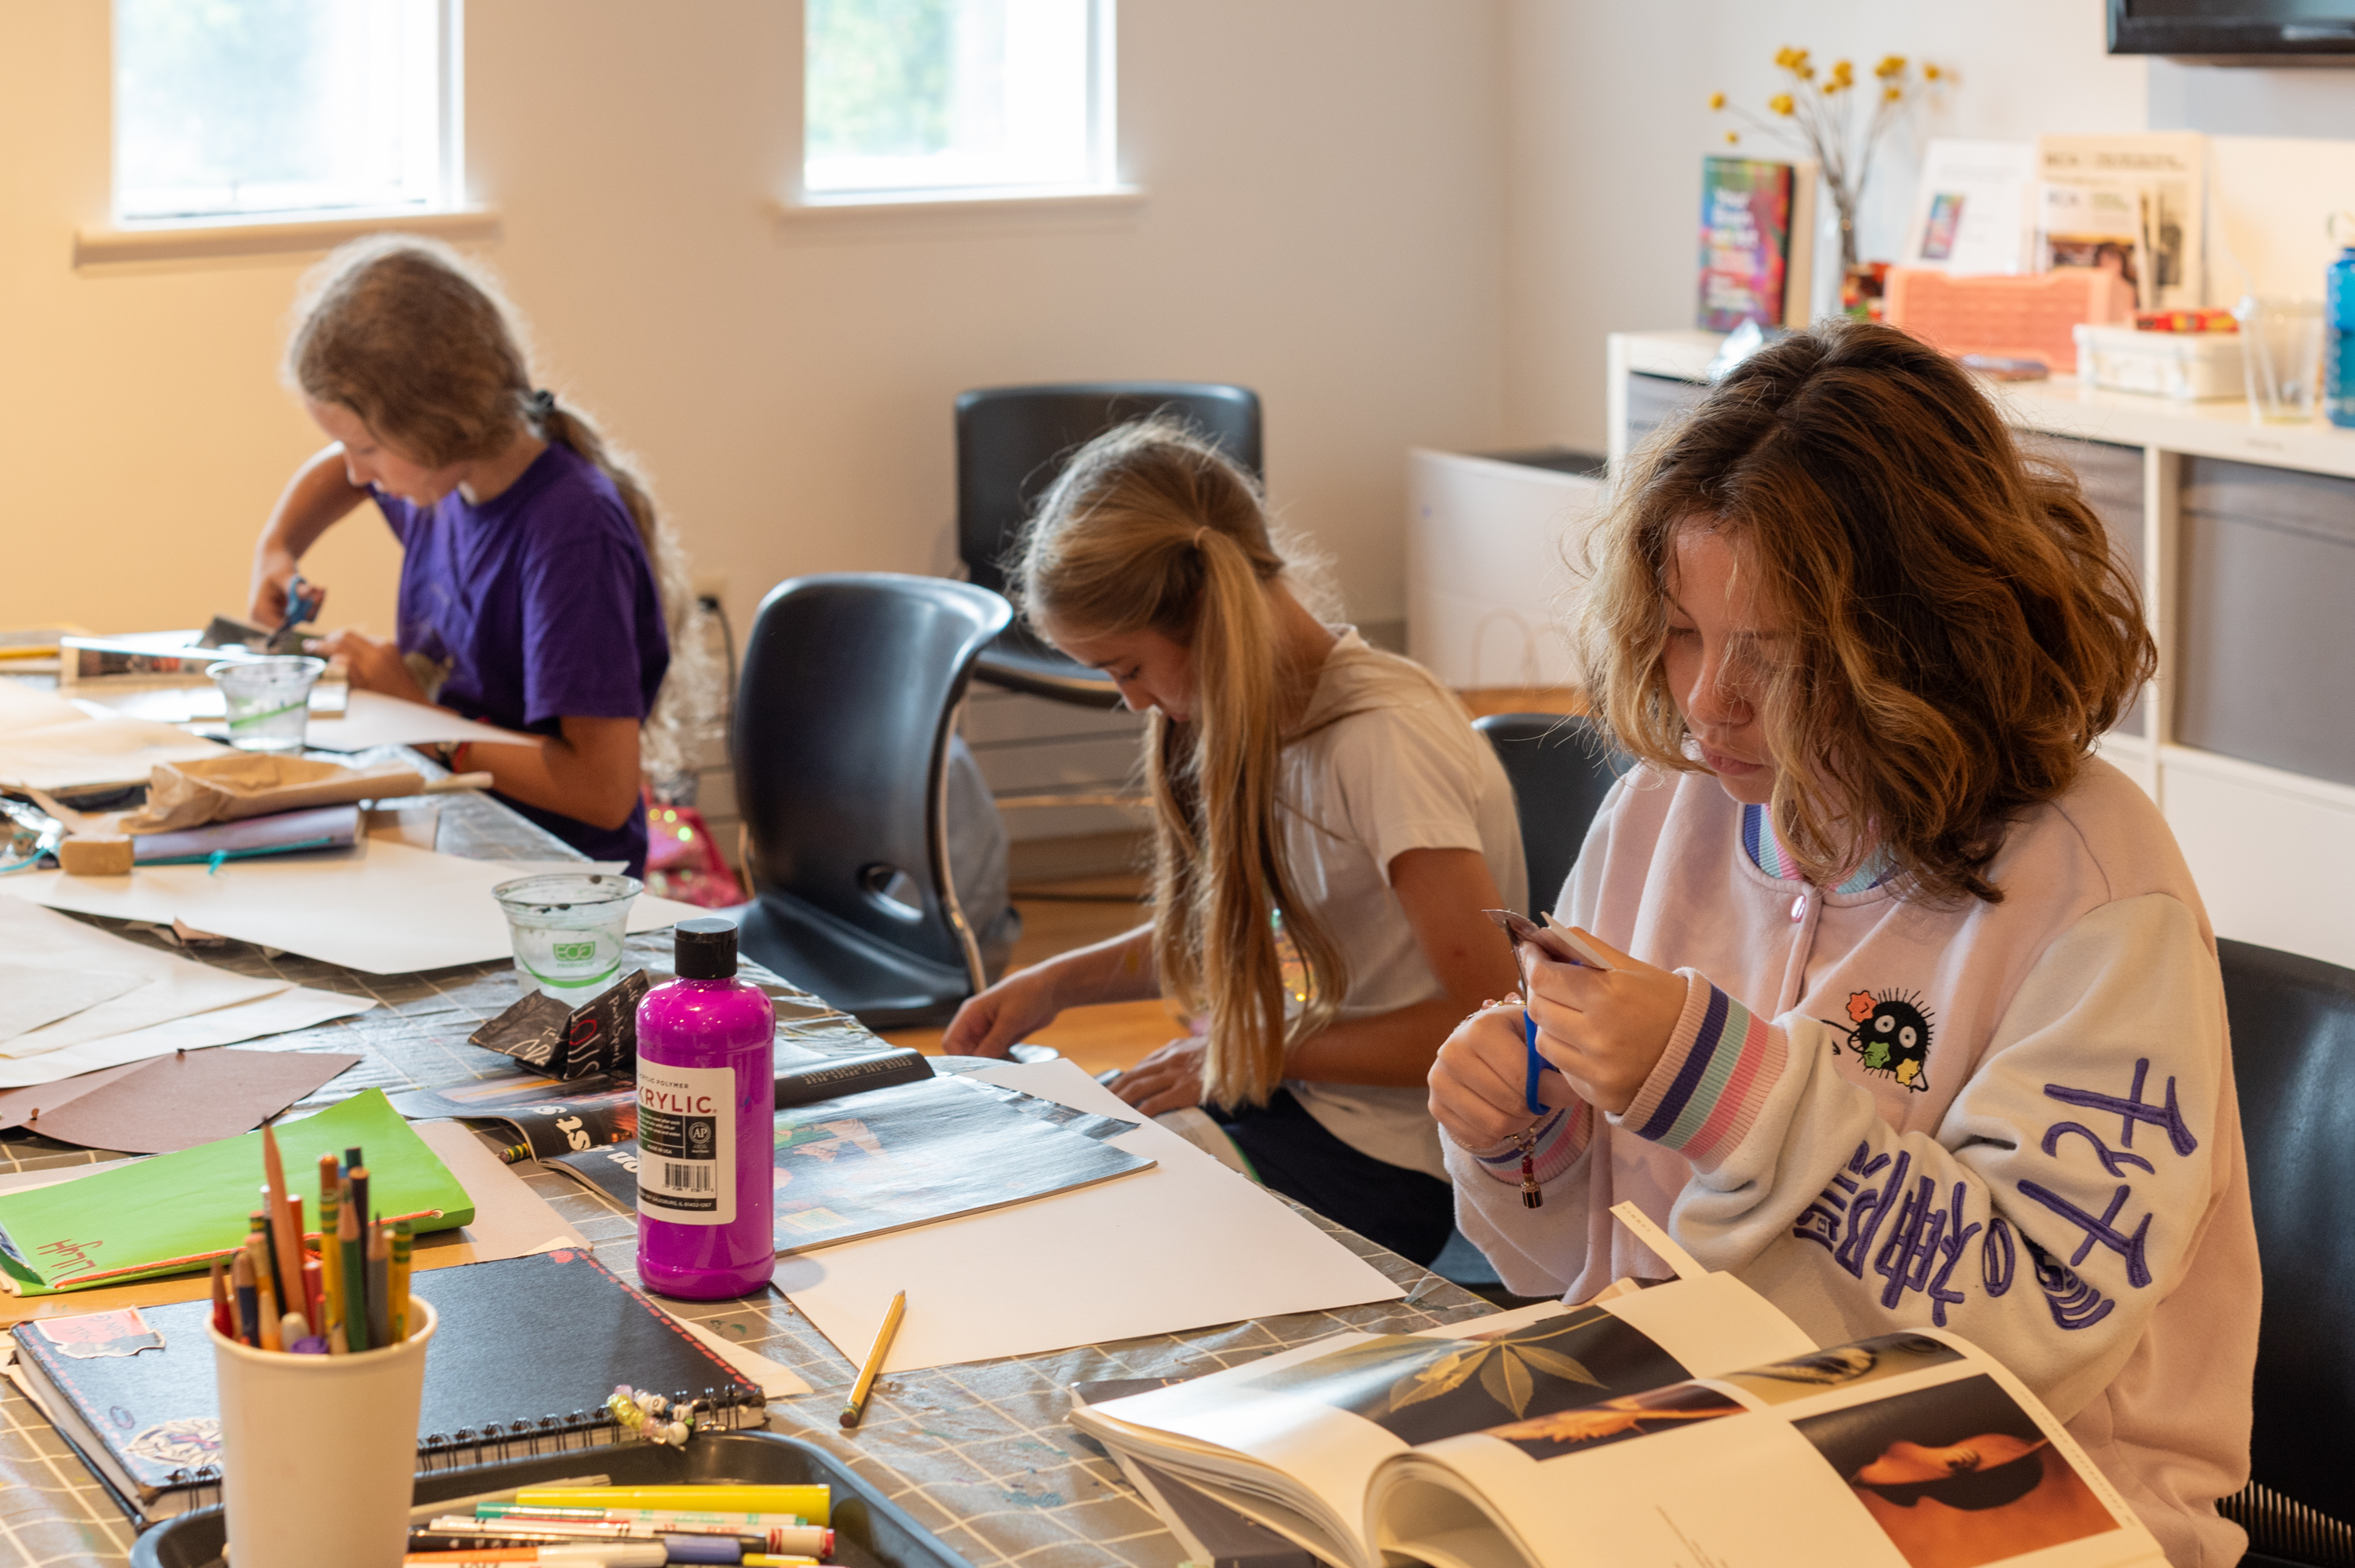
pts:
[2339, 349]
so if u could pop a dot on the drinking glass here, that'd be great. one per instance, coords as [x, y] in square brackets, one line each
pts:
[568, 928]
[2281, 357]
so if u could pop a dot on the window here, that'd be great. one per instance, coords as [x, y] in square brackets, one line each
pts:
[957, 95]
[247, 107]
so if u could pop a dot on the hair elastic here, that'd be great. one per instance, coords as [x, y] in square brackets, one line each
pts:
[1199, 534]
[541, 402]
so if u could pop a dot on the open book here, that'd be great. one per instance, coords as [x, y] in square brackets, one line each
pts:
[1687, 1424]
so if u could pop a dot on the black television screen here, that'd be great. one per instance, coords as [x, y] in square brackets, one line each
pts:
[2232, 29]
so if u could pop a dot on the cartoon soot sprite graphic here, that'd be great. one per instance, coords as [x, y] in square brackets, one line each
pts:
[1890, 1035]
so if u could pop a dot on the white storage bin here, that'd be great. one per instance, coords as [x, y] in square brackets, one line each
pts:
[2182, 365]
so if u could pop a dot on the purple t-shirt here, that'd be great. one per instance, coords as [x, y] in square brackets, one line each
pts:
[542, 601]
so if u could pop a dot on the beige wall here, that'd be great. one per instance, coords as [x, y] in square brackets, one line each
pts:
[1610, 120]
[1325, 222]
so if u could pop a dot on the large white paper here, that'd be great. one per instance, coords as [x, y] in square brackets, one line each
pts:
[1184, 1245]
[371, 718]
[167, 987]
[380, 907]
[297, 1007]
[48, 742]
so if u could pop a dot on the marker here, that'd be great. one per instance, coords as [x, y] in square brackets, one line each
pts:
[601, 1530]
[331, 1263]
[348, 1243]
[610, 1555]
[224, 1316]
[425, 1511]
[351, 1159]
[380, 1266]
[292, 1330]
[813, 1503]
[857, 1407]
[300, 1287]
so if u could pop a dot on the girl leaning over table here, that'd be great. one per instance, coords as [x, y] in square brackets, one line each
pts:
[539, 585]
[1915, 1017]
[1327, 829]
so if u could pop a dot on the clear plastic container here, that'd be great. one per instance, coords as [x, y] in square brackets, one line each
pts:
[568, 928]
[267, 701]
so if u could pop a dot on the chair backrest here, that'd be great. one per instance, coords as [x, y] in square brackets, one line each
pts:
[2294, 1054]
[1561, 770]
[1011, 442]
[840, 740]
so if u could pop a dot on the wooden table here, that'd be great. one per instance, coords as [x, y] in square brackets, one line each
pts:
[979, 1454]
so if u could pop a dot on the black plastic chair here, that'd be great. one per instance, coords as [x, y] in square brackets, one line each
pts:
[2294, 1054]
[850, 684]
[1011, 442]
[1561, 770]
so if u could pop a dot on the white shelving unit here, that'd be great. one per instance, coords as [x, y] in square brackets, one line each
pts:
[2272, 846]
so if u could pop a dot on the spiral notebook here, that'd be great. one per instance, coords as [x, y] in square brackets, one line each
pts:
[527, 1350]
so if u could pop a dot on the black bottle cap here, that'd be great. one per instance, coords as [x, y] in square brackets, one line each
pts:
[705, 950]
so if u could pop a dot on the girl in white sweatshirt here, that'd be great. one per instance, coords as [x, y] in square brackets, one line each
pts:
[1915, 1018]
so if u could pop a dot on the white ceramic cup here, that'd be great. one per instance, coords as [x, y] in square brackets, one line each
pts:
[319, 1453]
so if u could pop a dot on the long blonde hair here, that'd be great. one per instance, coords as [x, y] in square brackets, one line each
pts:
[424, 349]
[1150, 527]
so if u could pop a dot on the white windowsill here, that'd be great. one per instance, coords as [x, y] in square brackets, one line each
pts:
[272, 236]
[849, 207]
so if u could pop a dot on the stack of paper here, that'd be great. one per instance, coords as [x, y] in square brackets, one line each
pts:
[74, 998]
[48, 743]
[380, 907]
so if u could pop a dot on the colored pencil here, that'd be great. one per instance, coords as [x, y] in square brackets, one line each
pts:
[330, 1261]
[240, 1273]
[356, 1312]
[265, 1293]
[257, 1224]
[358, 1178]
[379, 1268]
[315, 1293]
[398, 1286]
[224, 1317]
[286, 1231]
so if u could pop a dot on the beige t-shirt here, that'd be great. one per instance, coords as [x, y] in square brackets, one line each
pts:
[1401, 769]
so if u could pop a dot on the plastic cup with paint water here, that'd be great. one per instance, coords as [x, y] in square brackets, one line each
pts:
[2281, 357]
[267, 701]
[318, 1452]
[568, 928]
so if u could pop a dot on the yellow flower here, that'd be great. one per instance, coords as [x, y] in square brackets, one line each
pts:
[1807, 73]
[1843, 74]
[1892, 94]
[1717, 100]
[1781, 103]
[1890, 65]
[1931, 73]
[1789, 58]
[1731, 138]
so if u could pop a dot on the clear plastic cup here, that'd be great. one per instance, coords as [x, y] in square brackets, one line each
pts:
[568, 928]
[2281, 357]
[267, 701]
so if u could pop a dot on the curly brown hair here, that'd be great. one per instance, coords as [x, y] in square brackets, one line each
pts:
[1957, 633]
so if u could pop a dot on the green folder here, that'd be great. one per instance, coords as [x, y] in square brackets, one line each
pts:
[179, 1211]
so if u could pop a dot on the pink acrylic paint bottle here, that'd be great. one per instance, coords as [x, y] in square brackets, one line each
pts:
[706, 1100]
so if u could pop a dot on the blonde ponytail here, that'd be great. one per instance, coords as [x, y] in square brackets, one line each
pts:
[421, 345]
[1151, 527]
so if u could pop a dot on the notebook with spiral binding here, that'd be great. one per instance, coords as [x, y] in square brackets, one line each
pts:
[526, 1352]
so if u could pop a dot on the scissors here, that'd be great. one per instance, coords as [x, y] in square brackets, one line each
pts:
[1563, 946]
[302, 603]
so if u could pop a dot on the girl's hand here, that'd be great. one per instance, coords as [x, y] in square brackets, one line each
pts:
[274, 568]
[1605, 1030]
[1169, 1079]
[994, 1023]
[1478, 1084]
[374, 663]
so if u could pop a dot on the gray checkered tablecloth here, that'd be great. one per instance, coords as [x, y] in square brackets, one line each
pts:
[979, 1454]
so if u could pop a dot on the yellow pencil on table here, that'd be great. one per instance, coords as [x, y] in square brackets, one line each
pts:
[857, 1404]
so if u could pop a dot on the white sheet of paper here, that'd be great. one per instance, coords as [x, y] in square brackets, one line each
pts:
[297, 1007]
[48, 742]
[371, 718]
[380, 907]
[1184, 1245]
[169, 987]
[32, 996]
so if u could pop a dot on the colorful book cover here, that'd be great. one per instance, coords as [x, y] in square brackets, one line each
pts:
[1746, 241]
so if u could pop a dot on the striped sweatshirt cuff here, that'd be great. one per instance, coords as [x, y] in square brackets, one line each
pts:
[1705, 1092]
[1561, 1138]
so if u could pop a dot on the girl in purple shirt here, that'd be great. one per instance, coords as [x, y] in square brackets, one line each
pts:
[537, 586]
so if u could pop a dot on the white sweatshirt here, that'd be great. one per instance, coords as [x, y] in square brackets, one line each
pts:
[2015, 1120]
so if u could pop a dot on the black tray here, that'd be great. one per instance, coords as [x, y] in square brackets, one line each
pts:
[868, 1532]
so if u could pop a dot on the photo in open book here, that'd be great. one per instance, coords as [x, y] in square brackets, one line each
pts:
[1842, 1366]
[1421, 1389]
[1617, 1420]
[1957, 1474]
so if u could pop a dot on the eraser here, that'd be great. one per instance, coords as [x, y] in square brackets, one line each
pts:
[102, 854]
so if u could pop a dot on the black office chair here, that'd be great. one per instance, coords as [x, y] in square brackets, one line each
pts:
[1011, 442]
[2294, 1054]
[841, 742]
[1561, 770]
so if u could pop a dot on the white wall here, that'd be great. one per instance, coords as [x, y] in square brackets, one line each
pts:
[1325, 222]
[1610, 120]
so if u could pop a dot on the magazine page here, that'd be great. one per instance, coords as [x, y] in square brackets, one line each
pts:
[2133, 203]
[1309, 1427]
[1906, 1451]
